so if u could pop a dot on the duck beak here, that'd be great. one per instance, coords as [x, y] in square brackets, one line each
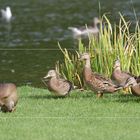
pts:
[80, 57]
[47, 76]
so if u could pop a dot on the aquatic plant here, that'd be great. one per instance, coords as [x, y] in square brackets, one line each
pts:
[114, 41]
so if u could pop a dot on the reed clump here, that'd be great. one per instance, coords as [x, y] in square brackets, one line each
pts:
[114, 41]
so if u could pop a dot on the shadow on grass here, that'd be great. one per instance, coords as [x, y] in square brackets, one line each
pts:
[114, 98]
[127, 98]
[72, 95]
[76, 94]
[45, 97]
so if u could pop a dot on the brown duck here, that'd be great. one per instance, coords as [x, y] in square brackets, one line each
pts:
[135, 86]
[61, 87]
[8, 97]
[118, 76]
[97, 82]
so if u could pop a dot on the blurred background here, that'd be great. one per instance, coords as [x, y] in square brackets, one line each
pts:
[29, 43]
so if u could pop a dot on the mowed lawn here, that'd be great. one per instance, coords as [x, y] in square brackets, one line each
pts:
[81, 116]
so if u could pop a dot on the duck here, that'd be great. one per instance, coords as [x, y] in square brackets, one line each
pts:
[134, 86]
[8, 97]
[60, 86]
[138, 79]
[118, 76]
[95, 81]
[94, 30]
[6, 14]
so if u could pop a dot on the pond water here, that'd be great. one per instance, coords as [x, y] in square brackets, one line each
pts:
[28, 45]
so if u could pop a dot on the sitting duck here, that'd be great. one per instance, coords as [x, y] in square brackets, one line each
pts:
[118, 76]
[77, 32]
[135, 86]
[61, 87]
[8, 97]
[97, 82]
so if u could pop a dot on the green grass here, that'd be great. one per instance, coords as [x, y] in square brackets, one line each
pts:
[42, 116]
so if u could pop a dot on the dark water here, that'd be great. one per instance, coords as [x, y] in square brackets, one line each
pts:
[28, 45]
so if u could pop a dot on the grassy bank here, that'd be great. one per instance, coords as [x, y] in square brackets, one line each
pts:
[41, 116]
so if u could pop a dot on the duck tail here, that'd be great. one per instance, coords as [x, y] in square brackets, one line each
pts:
[71, 86]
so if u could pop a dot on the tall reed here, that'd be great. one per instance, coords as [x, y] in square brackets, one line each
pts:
[114, 41]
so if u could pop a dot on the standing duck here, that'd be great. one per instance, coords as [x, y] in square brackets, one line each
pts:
[97, 82]
[135, 86]
[118, 76]
[8, 97]
[6, 14]
[61, 87]
[94, 30]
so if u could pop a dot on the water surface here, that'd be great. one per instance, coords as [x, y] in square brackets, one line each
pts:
[28, 45]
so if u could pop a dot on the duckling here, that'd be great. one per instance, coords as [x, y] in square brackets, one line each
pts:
[118, 76]
[97, 82]
[6, 14]
[135, 86]
[61, 87]
[8, 97]
[77, 32]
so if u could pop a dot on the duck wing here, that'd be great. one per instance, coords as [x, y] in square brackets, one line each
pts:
[101, 83]
[64, 85]
[104, 80]
[101, 77]
[128, 74]
[102, 86]
[137, 78]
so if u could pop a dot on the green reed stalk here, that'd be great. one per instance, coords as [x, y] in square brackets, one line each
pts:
[113, 42]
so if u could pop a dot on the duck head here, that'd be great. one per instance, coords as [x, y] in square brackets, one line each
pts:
[117, 64]
[8, 107]
[50, 74]
[8, 8]
[8, 12]
[96, 21]
[84, 56]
